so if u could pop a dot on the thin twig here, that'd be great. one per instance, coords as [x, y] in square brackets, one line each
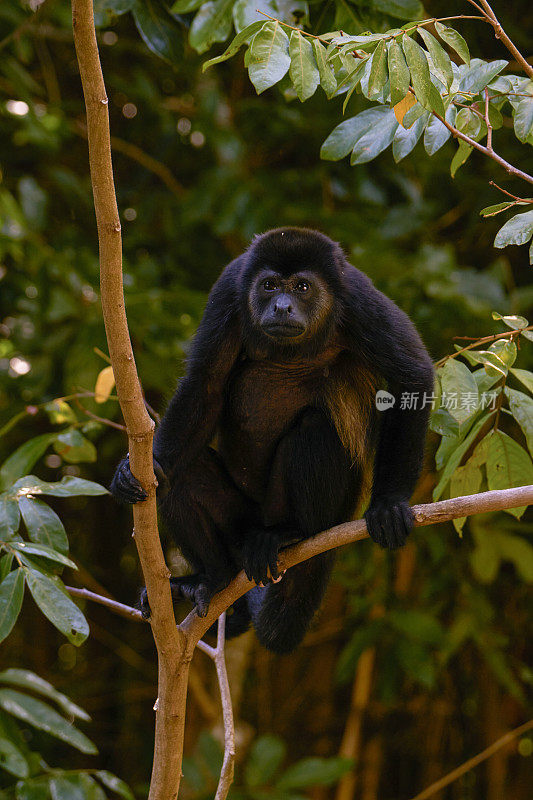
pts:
[502, 36]
[510, 194]
[144, 159]
[473, 762]
[226, 773]
[218, 656]
[102, 420]
[485, 150]
[101, 353]
[487, 122]
[484, 340]
[28, 23]
[118, 608]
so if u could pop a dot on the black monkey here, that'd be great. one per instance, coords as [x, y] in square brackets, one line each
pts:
[272, 434]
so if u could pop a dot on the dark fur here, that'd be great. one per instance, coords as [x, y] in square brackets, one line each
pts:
[295, 429]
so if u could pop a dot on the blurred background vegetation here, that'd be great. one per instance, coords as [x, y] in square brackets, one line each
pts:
[418, 659]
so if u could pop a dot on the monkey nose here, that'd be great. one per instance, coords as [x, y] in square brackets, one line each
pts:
[283, 307]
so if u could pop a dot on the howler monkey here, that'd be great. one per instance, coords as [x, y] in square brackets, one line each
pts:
[273, 434]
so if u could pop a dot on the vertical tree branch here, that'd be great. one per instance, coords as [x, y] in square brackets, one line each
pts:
[218, 656]
[173, 655]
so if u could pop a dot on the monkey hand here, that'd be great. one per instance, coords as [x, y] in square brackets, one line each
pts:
[126, 488]
[260, 555]
[389, 521]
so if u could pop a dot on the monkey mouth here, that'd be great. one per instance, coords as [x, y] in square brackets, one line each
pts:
[283, 330]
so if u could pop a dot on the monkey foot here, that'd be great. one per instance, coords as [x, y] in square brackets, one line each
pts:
[389, 521]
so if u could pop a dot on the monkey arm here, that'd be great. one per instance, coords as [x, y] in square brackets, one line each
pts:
[190, 420]
[390, 343]
[191, 417]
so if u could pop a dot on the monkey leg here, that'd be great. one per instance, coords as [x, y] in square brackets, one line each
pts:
[313, 485]
[203, 510]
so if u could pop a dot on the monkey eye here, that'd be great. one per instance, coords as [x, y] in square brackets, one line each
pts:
[302, 286]
[270, 285]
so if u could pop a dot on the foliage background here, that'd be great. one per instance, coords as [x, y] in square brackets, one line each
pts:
[449, 673]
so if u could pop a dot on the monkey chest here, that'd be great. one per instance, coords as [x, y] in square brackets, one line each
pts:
[263, 400]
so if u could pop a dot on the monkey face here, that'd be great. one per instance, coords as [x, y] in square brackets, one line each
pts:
[289, 307]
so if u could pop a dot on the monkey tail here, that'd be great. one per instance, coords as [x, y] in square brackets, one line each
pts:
[282, 612]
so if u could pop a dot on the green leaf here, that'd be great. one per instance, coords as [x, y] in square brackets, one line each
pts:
[314, 772]
[441, 60]
[468, 122]
[6, 562]
[77, 786]
[506, 350]
[519, 552]
[411, 116]
[58, 607]
[60, 413]
[213, 23]
[525, 377]
[269, 59]
[402, 9]
[160, 31]
[480, 75]
[9, 517]
[456, 379]
[22, 460]
[73, 447]
[303, 70]
[43, 524]
[186, 6]
[375, 140]
[41, 716]
[441, 421]
[245, 12]
[462, 153]
[242, 38]
[25, 679]
[456, 456]
[517, 230]
[465, 480]
[418, 625]
[66, 487]
[492, 362]
[522, 410]
[453, 40]
[66, 787]
[523, 119]
[508, 466]
[378, 70]
[115, 784]
[491, 211]
[264, 760]
[425, 92]
[436, 133]
[12, 760]
[11, 594]
[398, 72]
[37, 789]
[44, 551]
[405, 139]
[512, 321]
[327, 77]
[485, 559]
[342, 139]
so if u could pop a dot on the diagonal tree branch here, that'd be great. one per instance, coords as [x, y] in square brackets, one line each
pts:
[428, 514]
[473, 762]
